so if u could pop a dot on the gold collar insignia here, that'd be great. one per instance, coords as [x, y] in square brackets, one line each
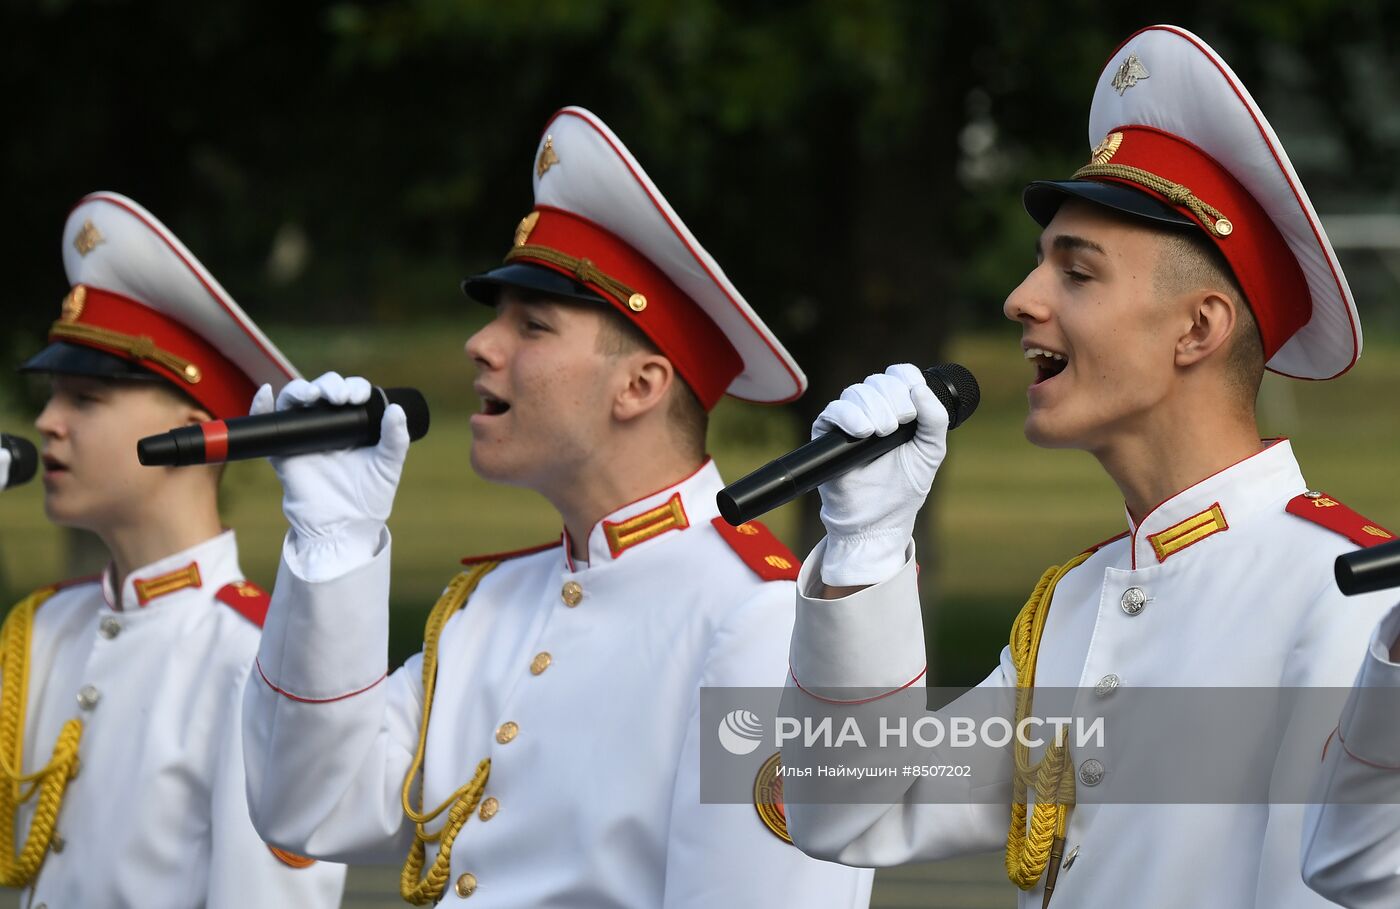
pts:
[626, 534]
[1190, 531]
[167, 583]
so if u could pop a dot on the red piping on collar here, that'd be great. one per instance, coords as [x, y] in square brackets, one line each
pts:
[511, 554]
[1140, 524]
[688, 477]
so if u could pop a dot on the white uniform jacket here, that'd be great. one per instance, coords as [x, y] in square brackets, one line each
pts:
[1242, 597]
[157, 817]
[581, 683]
[1351, 849]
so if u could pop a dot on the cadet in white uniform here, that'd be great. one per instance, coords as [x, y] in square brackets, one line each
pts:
[1351, 847]
[1182, 258]
[544, 749]
[121, 694]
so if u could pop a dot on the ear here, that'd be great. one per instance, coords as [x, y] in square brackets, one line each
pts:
[1212, 322]
[193, 414]
[648, 380]
[196, 414]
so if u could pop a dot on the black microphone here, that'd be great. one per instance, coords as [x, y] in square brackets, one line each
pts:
[1368, 570]
[830, 455]
[320, 427]
[24, 459]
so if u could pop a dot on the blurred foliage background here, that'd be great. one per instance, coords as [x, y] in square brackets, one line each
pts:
[855, 165]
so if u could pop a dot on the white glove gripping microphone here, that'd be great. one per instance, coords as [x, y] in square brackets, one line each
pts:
[834, 453]
[283, 433]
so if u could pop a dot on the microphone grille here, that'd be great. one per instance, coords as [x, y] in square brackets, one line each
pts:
[965, 391]
[415, 408]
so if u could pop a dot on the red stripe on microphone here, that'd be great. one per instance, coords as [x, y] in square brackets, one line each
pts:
[215, 441]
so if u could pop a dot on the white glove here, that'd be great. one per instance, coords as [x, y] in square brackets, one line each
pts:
[337, 501]
[4, 468]
[869, 512]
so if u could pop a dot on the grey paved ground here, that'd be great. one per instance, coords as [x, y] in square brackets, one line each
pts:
[978, 883]
[966, 884]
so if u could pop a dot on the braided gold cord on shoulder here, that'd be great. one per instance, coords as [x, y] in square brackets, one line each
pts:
[1029, 850]
[583, 270]
[414, 887]
[1209, 216]
[18, 869]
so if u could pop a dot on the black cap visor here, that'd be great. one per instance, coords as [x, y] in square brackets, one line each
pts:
[536, 279]
[1044, 197]
[77, 360]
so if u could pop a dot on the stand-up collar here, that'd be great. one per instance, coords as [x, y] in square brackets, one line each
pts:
[657, 517]
[1223, 500]
[206, 566]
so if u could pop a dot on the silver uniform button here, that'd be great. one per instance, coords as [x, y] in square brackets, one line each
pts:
[56, 843]
[1107, 685]
[109, 627]
[1091, 772]
[1069, 859]
[1133, 599]
[88, 696]
[1313, 494]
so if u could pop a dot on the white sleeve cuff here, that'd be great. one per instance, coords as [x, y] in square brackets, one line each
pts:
[1387, 632]
[1370, 726]
[327, 640]
[872, 639]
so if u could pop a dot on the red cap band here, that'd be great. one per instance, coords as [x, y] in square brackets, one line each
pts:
[1263, 263]
[121, 326]
[675, 323]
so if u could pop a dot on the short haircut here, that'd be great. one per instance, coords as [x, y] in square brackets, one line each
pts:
[1189, 261]
[617, 337]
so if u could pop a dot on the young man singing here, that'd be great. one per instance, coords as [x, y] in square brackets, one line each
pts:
[544, 748]
[121, 695]
[1176, 265]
